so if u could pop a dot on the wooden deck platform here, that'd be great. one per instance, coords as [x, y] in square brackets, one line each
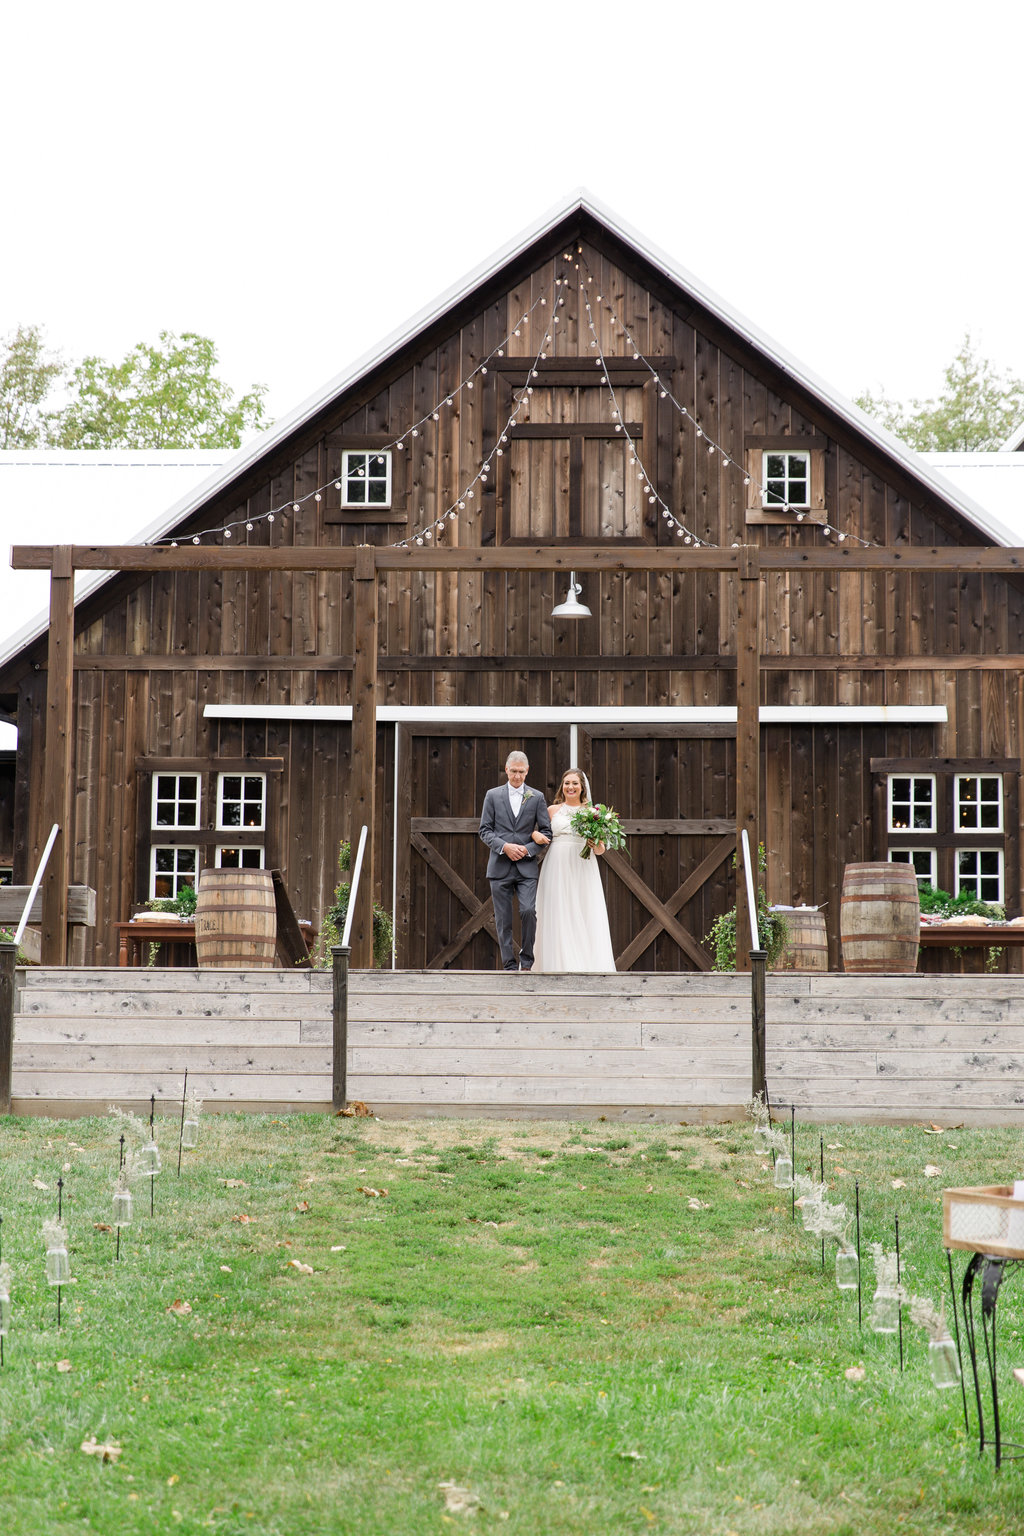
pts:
[631, 1046]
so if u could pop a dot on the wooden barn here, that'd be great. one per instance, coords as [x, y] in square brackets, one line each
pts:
[795, 625]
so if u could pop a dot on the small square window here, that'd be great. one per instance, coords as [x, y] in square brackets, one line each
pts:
[239, 858]
[242, 801]
[175, 800]
[923, 860]
[912, 802]
[171, 869]
[979, 871]
[786, 480]
[365, 478]
[978, 803]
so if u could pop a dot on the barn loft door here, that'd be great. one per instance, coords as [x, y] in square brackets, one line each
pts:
[569, 472]
[676, 794]
[446, 920]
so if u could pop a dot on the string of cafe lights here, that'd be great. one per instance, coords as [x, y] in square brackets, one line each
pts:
[768, 499]
[654, 496]
[408, 435]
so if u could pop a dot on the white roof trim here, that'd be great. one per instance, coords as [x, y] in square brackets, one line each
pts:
[579, 714]
[578, 200]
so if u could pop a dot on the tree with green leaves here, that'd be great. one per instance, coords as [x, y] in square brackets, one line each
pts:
[28, 373]
[975, 412]
[162, 396]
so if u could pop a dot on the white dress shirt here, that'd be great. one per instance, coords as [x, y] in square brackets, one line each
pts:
[515, 798]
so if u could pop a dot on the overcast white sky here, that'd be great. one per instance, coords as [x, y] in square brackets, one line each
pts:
[296, 181]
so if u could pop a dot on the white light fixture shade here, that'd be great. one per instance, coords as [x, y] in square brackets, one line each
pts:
[572, 608]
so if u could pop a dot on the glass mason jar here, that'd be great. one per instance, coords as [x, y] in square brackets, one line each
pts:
[189, 1133]
[761, 1138]
[943, 1363]
[58, 1269]
[783, 1178]
[122, 1207]
[885, 1311]
[847, 1265]
[147, 1161]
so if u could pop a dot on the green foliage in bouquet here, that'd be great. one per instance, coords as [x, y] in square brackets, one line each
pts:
[184, 904]
[333, 925]
[598, 824]
[772, 929]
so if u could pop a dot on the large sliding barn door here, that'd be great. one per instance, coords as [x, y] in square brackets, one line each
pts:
[676, 793]
[447, 920]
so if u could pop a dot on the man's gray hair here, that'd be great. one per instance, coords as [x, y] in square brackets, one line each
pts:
[517, 757]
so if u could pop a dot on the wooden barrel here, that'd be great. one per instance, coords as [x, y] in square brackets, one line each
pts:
[806, 941]
[880, 918]
[236, 918]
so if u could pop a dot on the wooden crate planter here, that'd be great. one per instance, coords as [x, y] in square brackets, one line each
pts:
[984, 1220]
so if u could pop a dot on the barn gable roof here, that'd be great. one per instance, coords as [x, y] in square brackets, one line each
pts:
[579, 202]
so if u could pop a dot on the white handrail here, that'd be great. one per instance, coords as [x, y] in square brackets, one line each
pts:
[35, 883]
[355, 887]
[755, 937]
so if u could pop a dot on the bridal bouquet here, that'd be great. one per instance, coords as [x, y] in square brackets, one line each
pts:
[598, 824]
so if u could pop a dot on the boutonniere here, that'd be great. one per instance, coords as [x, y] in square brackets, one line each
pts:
[527, 795]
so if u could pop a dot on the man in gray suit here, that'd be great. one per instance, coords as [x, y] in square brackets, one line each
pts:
[511, 814]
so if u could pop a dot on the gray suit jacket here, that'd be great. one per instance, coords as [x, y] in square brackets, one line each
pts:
[498, 826]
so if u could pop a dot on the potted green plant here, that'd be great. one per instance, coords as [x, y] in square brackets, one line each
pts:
[771, 927]
[333, 925]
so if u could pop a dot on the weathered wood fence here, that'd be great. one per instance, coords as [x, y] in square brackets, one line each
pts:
[672, 1047]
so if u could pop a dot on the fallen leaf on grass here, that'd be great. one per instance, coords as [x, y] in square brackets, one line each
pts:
[102, 1226]
[629, 1456]
[458, 1500]
[180, 1308]
[357, 1107]
[225, 1269]
[106, 1450]
[63, 1366]
[855, 1373]
[235, 1184]
[66, 1168]
[899, 1183]
[303, 1205]
[837, 1169]
[372, 1194]
[931, 1172]
[303, 1269]
[244, 1219]
[833, 1146]
[338, 1247]
[934, 1130]
[38, 1184]
[697, 1205]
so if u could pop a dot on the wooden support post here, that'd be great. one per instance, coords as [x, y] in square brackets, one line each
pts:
[339, 1011]
[58, 759]
[8, 956]
[748, 735]
[364, 748]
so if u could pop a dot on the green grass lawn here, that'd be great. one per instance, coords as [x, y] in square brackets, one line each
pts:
[533, 1330]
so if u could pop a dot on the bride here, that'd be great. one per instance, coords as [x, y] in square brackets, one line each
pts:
[572, 919]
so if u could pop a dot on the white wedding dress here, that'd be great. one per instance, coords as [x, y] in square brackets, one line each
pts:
[572, 918]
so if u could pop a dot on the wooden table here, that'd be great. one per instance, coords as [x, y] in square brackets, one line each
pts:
[145, 931]
[964, 935]
[132, 936]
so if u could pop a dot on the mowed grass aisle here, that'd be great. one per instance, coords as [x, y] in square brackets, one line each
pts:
[536, 1328]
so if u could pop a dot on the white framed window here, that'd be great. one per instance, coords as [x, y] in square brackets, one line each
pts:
[365, 477]
[239, 858]
[979, 871]
[176, 800]
[786, 478]
[911, 799]
[978, 802]
[923, 860]
[242, 801]
[170, 869]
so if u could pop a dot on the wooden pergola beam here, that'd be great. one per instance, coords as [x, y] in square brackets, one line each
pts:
[191, 557]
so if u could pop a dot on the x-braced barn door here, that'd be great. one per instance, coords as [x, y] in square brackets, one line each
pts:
[675, 788]
[444, 914]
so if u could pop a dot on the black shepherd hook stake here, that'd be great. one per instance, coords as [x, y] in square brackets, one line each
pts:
[899, 1314]
[60, 1214]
